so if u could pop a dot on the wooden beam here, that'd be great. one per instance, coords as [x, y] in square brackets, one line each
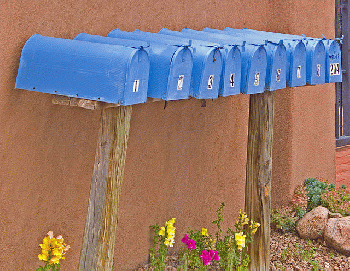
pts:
[103, 210]
[88, 104]
[259, 174]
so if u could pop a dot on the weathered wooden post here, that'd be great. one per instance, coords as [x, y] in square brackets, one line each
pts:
[102, 217]
[259, 174]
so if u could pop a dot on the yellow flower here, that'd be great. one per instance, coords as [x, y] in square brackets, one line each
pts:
[169, 242]
[171, 221]
[54, 259]
[242, 218]
[162, 231]
[253, 226]
[42, 257]
[204, 232]
[240, 240]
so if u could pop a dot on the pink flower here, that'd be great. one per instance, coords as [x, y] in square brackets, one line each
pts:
[206, 258]
[50, 234]
[185, 239]
[214, 255]
[191, 244]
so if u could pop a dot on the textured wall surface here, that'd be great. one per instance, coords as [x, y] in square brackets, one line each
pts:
[182, 161]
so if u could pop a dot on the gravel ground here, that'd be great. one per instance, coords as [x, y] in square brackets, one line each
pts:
[289, 252]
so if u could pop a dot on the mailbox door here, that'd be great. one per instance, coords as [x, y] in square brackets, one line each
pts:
[232, 72]
[179, 81]
[137, 79]
[256, 70]
[278, 70]
[316, 61]
[333, 62]
[206, 74]
[297, 64]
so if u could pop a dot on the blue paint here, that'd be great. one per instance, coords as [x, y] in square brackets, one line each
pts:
[207, 60]
[102, 72]
[170, 66]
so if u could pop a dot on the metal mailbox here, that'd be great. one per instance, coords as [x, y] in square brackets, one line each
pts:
[315, 62]
[103, 72]
[254, 61]
[170, 66]
[296, 53]
[276, 68]
[333, 61]
[316, 55]
[207, 60]
[230, 82]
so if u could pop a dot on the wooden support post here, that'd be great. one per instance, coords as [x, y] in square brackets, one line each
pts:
[102, 217]
[259, 174]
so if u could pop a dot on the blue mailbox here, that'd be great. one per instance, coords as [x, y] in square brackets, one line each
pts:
[316, 55]
[333, 69]
[207, 60]
[333, 61]
[295, 49]
[276, 68]
[254, 61]
[230, 83]
[170, 66]
[315, 62]
[108, 73]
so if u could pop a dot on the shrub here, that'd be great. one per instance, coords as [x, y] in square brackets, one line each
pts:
[336, 200]
[315, 189]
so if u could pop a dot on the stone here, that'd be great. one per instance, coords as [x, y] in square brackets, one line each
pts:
[312, 225]
[337, 234]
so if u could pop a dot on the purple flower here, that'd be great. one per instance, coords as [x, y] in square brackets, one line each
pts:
[214, 255]
[206, 258]
[191, 244]
[185, 239]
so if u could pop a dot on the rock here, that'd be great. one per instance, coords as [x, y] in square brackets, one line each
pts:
[337, 234]
[334, 215]
[312, 225]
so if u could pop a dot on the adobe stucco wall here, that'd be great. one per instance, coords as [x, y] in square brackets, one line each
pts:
[182, 161]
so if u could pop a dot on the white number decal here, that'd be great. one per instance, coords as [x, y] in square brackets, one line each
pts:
[232, 80]
[334, 69]
[278, 75]
[210, 82]
[318, 70]
[180, 82]
[136, 86]
[299, 72]
[257, 79]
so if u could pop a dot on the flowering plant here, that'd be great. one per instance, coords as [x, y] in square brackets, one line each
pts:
[52, 251]
[337, 200]
[163, 238]
[226, 252]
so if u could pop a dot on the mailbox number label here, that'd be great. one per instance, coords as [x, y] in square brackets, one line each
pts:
[135, 87]
[278, 75]
[210, 82]
[180, 82]
[318, 70]
[257, 79]
[299, 72]
[334, 69]
[232, 80]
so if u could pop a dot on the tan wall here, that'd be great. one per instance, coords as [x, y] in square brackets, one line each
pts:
[182, 161]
